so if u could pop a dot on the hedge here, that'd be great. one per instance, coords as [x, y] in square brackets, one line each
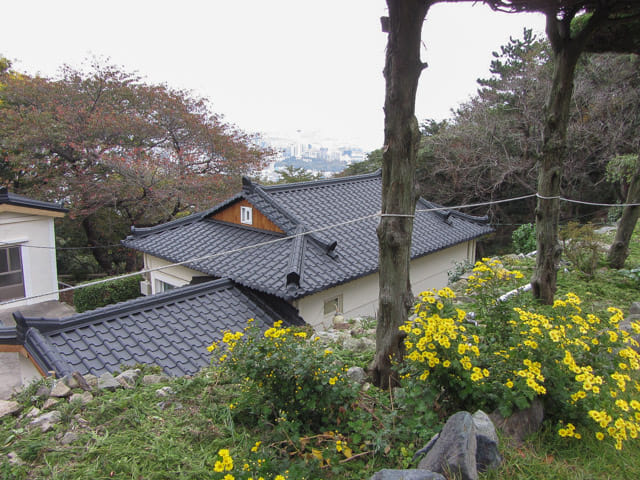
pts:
[95, 296]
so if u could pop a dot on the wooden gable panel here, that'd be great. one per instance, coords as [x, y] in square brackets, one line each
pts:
[231, 214]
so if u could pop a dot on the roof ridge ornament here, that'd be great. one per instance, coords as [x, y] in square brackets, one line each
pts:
[247, 184]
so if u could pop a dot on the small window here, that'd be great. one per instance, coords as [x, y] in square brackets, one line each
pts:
[163, 286]
[11, 278]
[333, 306]
[246, 214]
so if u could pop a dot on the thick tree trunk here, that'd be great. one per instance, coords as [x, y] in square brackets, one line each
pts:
[401, 138]
[94, 240]
[619, 250]
[550, 174]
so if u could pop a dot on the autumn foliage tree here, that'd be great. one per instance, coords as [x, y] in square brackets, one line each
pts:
[115, 147]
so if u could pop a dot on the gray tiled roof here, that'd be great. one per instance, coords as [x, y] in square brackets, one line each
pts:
[9, 198]
[171, 329]
[288, 268]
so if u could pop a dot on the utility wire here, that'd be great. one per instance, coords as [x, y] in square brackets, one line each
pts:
[290, 237]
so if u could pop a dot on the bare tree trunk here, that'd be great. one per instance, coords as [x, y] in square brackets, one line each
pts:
[619, 250]
[550, 175]
[401, 138]
[566, 52]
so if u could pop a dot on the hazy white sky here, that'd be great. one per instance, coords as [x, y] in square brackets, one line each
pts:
[269, 66]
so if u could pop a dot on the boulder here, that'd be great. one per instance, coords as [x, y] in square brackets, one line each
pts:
[8, 407]
[108, 382]
[409, 474]
[634, 309]
[43, 391]
[83, 398]
[60, 390]
[91, 380]
[153, 378]
[50, 402]
[165, 392]
[46, 421]
[128, 378]
[455, 449]
[81, 381]
[69, 437]
[361, 344]
[520, 424]
[357, 375]
[487, 455]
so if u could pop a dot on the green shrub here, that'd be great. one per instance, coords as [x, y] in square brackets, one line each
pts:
[523, 238]
[285, 378]
[583, 368]
[581, 247]
[95, 296]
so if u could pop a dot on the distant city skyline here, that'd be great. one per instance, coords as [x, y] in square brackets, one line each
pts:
[279, 68]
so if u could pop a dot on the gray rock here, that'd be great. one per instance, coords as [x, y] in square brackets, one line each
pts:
[83, 398]
[487, 455]
[69, 437]
[153, 379]
[128, 378]
[34, 412]
[361, 344]
[43, 391]
[9, 407]
[70, 381]
[165, 392]
[520, 424]
[605, 229]
[357, 375]
[81, 381]
[455, 449]
[46, 421]
[50, 402]
[634, 309]
[409, 474]
[108, 382]
[14, 459]
[60, 390]
[424, 450]
[91, 380]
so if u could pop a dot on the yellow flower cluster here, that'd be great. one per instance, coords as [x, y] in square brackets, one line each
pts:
[276, 331]
[532, 374]
[490, 272]
[570, 431]
[226, 464]
[434, 340]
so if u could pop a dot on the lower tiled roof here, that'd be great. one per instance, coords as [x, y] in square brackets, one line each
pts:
[171, 330]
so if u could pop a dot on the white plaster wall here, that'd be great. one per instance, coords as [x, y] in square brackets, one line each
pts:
[360, 297]
[28, 372]
[38, 264]
[177, 276]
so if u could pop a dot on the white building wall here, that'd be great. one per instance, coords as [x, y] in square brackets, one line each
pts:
[360, 297]
[177, 276]
[38, 264]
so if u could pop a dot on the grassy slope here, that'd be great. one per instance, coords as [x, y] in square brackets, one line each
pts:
[129, 435]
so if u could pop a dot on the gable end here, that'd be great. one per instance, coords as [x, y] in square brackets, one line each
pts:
[236, 214]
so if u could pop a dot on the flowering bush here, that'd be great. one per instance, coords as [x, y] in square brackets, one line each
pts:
[578, 364]
[285, 377]
[250, 469]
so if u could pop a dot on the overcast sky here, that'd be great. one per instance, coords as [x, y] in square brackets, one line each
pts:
[275, 67]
